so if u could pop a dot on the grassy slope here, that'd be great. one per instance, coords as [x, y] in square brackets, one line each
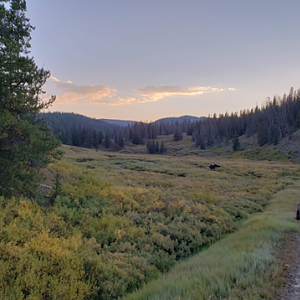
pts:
[285, 151]
[241, 266]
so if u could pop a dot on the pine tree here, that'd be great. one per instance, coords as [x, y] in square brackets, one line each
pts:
[107, 141]
[121, 141]
[162, 148]
[100, 137]
[95, 140]
[150, 147]
[57, 186]
[261, 134]
[177, 134]
[26, 144]
[75, 136]
[236, 144]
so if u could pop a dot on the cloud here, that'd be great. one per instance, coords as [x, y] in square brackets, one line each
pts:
[152, 93]
[125, 100]
[231, 89]
[55, 79]
[69, 92]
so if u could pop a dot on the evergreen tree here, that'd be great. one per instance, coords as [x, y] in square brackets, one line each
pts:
[116, 140]
[261, 134]
[95, 140]
[190, 128]
[107, 141]
[236, 144]
[151, 146]
[100, 137]
[57, 186]
[26, 144]
[177, 134]
[75, 136]
[121, 141]
[276, 136]
[162, 148]
[148, 147]
[136, 140]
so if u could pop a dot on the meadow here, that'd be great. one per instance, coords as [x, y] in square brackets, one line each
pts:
[121, 220]
[248, 264]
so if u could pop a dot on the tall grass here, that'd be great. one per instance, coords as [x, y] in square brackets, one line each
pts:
[241, 266]
[176, 207]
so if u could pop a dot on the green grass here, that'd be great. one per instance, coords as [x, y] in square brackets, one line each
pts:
[262, 153]
[186, 147]
[241, 266]
[121, 220]
[156, 210]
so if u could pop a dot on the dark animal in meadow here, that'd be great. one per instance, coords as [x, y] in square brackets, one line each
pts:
[213, 166]
[298, 212]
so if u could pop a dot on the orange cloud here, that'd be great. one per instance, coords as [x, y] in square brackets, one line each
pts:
[92, 93]
[231, 89]
[125, 100]
[55, 79]
[68, 92]
[152, 93]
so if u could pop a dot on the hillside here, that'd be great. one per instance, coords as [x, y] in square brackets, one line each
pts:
[59, 120]
[286, 149]
[102, 124]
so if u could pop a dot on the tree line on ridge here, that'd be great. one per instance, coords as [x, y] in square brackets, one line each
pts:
[273, 121]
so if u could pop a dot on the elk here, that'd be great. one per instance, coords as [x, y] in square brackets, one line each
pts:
[213, 166]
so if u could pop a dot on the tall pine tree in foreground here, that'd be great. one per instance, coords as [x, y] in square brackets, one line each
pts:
[26, 144]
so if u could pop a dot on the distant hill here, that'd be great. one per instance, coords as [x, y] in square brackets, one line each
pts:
[168, 120]
[78, 130]
[67, 120]
[179, 119]
[122, 123]
[59, 121]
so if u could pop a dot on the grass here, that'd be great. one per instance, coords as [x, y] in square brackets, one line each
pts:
[178, 177]
[262, 153]
[186, 202]
[241, 266]
[186, 147]
[239, 186]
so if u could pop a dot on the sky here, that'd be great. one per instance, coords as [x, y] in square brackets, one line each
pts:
[143, 60]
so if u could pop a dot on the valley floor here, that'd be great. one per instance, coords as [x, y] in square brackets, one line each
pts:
[145, 226]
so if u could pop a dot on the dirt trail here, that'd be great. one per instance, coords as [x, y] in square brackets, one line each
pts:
[292, 285]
